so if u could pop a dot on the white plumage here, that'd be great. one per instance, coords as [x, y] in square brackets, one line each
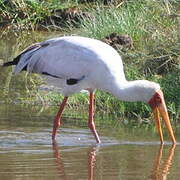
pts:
[76, 63]
[95, 64]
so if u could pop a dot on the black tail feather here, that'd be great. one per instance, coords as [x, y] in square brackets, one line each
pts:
[14, 62]
[17, 59]
[10, 63]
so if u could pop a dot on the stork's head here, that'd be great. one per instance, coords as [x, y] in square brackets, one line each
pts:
[158, 106]
[151, 93]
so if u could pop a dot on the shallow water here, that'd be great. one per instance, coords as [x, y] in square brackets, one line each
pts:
[27, 152]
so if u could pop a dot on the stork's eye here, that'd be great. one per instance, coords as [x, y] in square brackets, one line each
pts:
[158, 99]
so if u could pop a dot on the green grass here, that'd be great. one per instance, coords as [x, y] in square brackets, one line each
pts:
[156, 47]
[31, 14]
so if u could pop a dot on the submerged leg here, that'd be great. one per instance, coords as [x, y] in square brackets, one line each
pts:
[57, 120]
[91, 123]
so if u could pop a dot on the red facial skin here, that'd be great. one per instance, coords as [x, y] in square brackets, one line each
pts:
[156, 100]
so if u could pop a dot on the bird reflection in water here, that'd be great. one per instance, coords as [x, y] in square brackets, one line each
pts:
[58, 159]
[91, 158]
[91, 161]
[161, 168]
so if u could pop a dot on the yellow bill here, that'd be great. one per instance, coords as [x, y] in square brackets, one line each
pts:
[158, 106]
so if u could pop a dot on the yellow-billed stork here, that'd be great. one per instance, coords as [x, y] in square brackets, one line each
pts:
[77, 63]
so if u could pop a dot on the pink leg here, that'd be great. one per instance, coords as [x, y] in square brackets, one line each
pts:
[57, 120]
[91, 123]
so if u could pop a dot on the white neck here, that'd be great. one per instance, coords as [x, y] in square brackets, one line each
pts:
[139, 90]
